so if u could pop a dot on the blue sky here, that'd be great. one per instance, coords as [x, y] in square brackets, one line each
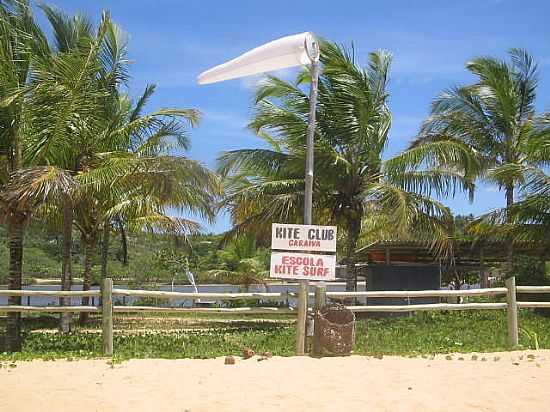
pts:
[172, 41]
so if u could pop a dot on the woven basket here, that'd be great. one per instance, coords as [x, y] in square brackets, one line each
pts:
[335, 325]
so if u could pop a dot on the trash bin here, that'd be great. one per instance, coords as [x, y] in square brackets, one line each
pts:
[335, 329]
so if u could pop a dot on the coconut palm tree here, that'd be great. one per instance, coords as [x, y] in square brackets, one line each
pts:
[69, 89]
[528, 219]
[153, 134]
[119, 157]
[242, 263]
[352, 179]
[140, 183]
[66, 93]
[495, 118]
[21, 40]
[101, 152]
[140, 191]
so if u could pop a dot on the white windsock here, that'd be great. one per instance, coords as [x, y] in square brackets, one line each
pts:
[299, 49]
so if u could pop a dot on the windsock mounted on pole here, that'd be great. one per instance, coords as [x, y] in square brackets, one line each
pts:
[296, 50]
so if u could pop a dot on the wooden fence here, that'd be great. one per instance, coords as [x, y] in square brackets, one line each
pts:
[321, 295]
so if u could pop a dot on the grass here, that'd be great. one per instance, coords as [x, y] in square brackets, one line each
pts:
[435, 332]
[171, 338]
[150, 344]
[207, 336]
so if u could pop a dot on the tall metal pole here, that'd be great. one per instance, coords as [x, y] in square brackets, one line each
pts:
[308, 198]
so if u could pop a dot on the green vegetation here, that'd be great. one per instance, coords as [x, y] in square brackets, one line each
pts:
[461, 331]
[356, 187]
[78, 153]
[89, 176]
[207, 336]
[505, 140]
[150, 259]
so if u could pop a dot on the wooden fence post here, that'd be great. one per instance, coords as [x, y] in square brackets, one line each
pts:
[107, 315]
[303, 299]
[320, 301]
[512, 312]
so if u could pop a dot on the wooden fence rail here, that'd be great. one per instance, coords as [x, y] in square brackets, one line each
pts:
[49, 309]
[57, 293]
[427, 306]
[192, 295]
[533, 289]
[107, 308]
[244, 310]
[419, 293]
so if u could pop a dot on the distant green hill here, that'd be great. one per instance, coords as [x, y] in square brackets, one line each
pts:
[152, 258]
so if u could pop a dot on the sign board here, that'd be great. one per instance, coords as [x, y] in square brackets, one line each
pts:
[303, 237]
[302, 266]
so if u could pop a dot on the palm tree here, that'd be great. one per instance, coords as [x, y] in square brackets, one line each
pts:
[131, 131]
[21, 40]
[352, 179]
[119, 157]
[528, 219]
[65, 94]
[495, 118]
[243, 263]
[137, 182]
[73, 33]
[69, 91]
[76, 122]
[138, 190]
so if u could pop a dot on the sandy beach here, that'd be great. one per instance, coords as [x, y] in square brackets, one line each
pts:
[517, 381]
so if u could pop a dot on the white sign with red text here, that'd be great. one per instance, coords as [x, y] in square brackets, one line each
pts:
[303, 237]
[302, 266]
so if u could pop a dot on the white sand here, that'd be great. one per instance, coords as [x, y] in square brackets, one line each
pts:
[282, 384]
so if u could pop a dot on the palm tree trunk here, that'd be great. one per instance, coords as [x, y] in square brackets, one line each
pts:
[13, 324]
[123, 242]
[67, 275]
[89, 251]
[510, 244]
[105, 249]
[353, 236]
[16, 233]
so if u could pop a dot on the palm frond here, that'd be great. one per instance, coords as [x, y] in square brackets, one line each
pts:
[30, 187]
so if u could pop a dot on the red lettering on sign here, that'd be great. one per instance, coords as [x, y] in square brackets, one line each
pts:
[316, 271]
[304, 243]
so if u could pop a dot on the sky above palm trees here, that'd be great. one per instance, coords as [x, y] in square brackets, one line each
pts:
[172, 41]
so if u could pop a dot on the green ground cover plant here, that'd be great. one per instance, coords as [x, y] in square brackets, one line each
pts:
[208, 336]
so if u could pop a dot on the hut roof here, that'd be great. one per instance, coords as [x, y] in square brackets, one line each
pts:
[465, 252]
